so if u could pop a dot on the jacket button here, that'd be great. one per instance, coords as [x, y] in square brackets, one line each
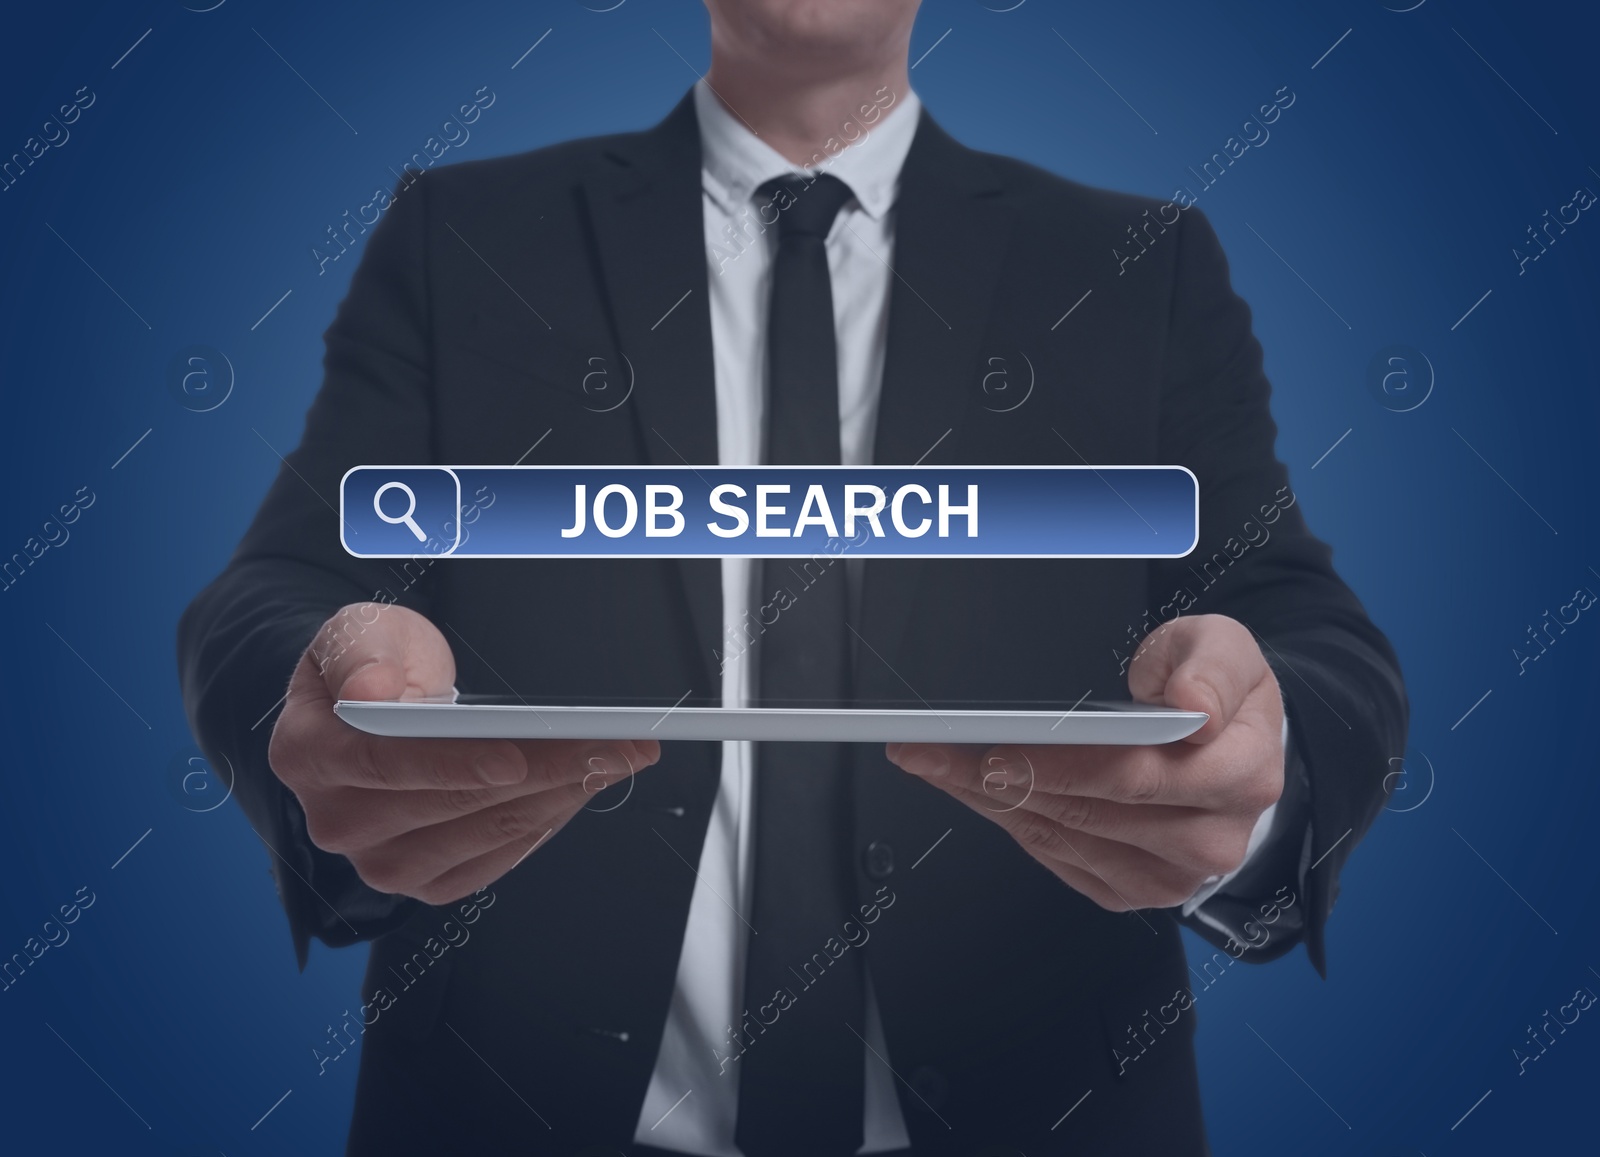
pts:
[878, 860]
[930, 1085]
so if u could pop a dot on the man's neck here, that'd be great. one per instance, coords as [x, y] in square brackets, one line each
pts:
[798, 120]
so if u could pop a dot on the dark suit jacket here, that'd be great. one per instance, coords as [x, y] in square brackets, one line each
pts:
[1005, 995]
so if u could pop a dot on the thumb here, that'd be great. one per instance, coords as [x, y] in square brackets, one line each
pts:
[1207, 663]
[378, 651]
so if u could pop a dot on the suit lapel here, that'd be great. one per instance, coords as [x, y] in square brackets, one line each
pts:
[951, 229]
[644, 203]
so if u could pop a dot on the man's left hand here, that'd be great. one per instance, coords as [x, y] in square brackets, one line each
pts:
[1139, 827]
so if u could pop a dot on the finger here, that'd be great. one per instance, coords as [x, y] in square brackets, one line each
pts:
[375, 651]
[481, 871]
[1208, 843]
[1134, 877]
[1108, 896]
[931, 759]
[592, 764]
[364, 651]
[347, 820]
[415, 859]
[395, 764]
[1009, 773]
[1207, 663]
[1226, 777]
[313, 750]
[1200, 842]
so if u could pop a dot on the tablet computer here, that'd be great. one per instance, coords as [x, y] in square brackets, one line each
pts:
[492, 717]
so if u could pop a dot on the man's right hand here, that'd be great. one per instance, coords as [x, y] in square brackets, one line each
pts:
[434, 819]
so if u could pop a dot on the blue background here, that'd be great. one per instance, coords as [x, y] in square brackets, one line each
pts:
[1023, 512]
[185, 205]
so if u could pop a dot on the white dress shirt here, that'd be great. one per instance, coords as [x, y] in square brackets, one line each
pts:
[739, 253]
[692, 1104]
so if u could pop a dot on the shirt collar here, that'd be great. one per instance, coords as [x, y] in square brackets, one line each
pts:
[735, 162]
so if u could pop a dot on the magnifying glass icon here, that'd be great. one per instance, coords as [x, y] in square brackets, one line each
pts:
[411, 508]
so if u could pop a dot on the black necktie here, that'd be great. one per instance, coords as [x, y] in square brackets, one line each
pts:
[801, 1072]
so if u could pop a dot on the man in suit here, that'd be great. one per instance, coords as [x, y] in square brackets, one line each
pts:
[583, 947]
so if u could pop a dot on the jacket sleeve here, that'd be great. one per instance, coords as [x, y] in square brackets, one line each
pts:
[241, 637]
[1257, 562]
